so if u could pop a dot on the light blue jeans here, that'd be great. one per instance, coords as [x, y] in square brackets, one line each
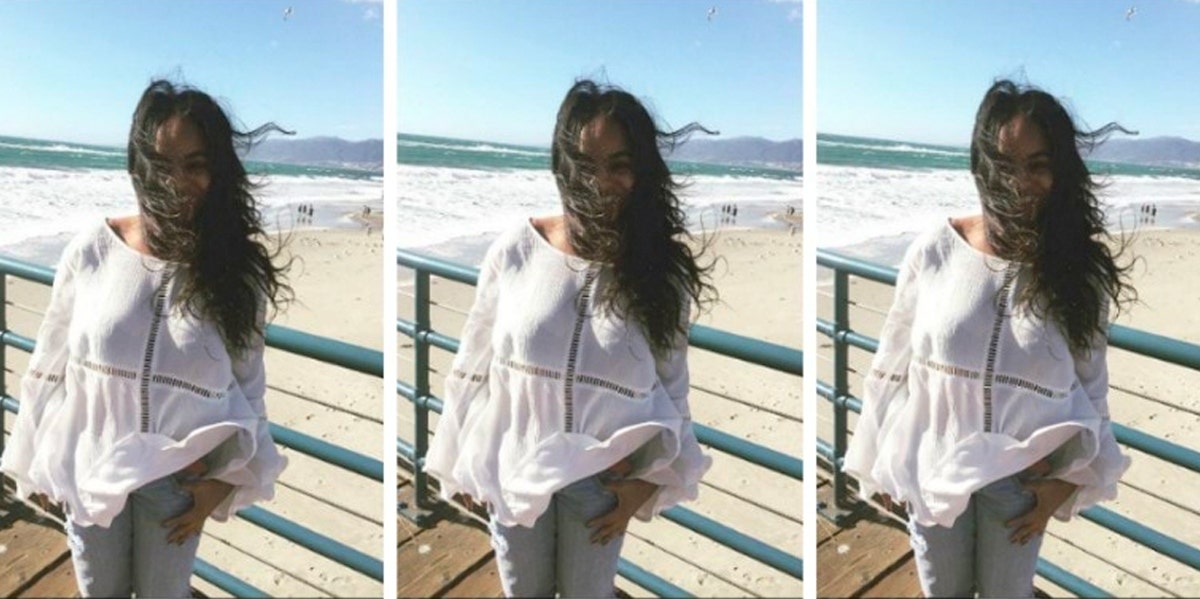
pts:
[557, 554]
[132, 556]
[974, 554]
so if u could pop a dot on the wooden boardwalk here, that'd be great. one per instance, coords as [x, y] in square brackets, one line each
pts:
[34, 559]
[868, 557]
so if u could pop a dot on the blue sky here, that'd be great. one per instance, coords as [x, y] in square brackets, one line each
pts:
[73, 71]
[496, 71]
[915, 70]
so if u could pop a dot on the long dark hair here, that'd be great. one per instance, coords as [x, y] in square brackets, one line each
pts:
[228, 271]
[655, 274]
[1062, 238]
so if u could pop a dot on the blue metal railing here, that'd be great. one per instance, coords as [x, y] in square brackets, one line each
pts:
[777, 357]
[327, 350]
[1147, 344]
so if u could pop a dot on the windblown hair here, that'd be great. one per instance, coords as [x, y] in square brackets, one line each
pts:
[655, 273]
[228, 273]
[1062, 238]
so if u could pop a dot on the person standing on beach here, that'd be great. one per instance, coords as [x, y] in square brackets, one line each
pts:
[566, 409]
[142, 410]
[985, 411]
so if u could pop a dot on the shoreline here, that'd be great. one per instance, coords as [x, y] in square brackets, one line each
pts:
[327, 216]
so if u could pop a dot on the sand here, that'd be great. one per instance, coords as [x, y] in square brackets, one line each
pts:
[1155, 397]
[758, 274]
[337, 278]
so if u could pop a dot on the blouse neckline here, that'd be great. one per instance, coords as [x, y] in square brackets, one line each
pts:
[974, 250]
[117, 241]
[532, 229]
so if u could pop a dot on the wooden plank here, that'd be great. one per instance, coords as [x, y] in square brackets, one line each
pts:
[858, 555]
[483, 581]
[900, 582]
[32, 546]
[59, 581]
[440, 555]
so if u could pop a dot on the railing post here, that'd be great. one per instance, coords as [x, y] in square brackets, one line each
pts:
[839, 512]
[3, 363]
[418, 512]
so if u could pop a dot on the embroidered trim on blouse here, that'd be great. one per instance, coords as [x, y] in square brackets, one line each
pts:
[892, 377]
[989, 372]
[468, 376]
[171, 381]
[596, 381]
[108, 370]
[51, 377]
[585, 295]
[160, 300]
[949, 369]
[530, 369]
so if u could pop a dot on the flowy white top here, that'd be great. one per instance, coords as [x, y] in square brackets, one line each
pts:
[547, 388]
[124, 388]
[966, 388]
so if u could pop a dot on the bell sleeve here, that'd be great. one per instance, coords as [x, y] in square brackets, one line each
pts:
[679, 479]
[43, 388]
[253, 478]
[885, 385]
[466, 385]
[1094, 464]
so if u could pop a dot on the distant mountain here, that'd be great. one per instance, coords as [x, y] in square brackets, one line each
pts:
[1157, 151]
[743, 151]
[321, 151]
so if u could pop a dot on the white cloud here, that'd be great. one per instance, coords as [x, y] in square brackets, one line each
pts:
[796, 14]
[370, 14]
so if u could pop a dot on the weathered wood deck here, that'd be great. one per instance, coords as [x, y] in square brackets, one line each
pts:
[34, 559]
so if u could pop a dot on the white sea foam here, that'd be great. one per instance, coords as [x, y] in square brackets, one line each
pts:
[480, 147]
[894, 147]
[61, 148]
[436, 204]
[860, 204]
[39, 203]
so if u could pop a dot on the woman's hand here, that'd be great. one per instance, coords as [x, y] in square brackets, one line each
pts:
[631, 494]
[1049, 493]
[207, 494]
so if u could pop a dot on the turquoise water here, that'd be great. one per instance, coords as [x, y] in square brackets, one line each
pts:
[845, 150]
[422, 150]
[56, 155]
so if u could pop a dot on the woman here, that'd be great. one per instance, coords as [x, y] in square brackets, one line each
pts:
[986, 408]
[142, 411]
[566, 411]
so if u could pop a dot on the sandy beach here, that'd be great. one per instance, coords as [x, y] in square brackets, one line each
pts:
[336, 277]
[758, 275]
[1146, 394]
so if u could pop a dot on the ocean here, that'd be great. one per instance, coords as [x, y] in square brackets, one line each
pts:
[49, 190]
[455, 195]
[876, 195]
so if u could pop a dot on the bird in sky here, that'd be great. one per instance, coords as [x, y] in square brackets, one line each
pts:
[1129, 13]
[712, 12]
[287, 12]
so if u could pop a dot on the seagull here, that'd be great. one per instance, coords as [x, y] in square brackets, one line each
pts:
[712, 12]
[287, 12]
[1129, 13]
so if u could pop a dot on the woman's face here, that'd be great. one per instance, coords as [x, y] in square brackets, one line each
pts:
[606, 149]
[180, 144]
[1026, 153]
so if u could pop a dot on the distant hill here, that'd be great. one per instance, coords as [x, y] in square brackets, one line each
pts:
[1157, 151]
[743, 151]
[321, 151]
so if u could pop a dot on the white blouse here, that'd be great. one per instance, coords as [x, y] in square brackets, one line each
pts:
[966, 389]
[125, 388]
[548, 388]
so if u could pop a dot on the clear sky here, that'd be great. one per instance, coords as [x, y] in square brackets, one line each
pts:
[73, 71]
[496, 71]
[915, 70]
